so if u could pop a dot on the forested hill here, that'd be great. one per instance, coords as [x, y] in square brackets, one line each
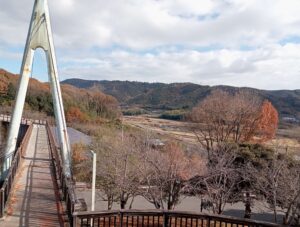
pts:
[80, 104]
[181, 95]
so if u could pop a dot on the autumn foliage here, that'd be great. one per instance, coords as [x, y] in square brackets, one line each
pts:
[78, 151]
[268, 121]
[74, 114]
[80, 105]
[241, 117]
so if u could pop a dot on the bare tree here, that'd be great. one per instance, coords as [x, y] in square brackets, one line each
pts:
[165, 174]
[278, 181]
[267, 182]
[222, 179]
[223, 117]
[289, 191]
[118, 161]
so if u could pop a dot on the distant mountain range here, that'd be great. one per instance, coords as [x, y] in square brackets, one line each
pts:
[182, 95]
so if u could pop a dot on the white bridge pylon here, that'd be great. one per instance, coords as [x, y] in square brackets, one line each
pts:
[39, 36]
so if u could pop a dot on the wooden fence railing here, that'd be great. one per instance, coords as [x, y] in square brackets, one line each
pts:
[126, 218]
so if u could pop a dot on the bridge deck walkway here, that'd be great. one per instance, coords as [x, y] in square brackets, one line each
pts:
[34, 200]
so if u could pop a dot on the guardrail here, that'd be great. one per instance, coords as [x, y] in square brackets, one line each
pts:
[125, 218]
[9, 180]
[66, 184]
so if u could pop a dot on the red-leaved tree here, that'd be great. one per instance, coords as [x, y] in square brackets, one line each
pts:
[268, 122]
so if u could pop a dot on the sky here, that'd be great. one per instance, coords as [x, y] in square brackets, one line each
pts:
[253, 43]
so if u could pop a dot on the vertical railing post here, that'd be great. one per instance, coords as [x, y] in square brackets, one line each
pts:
[2, 203]
[165, 219]
[74, 224]
[121, 219]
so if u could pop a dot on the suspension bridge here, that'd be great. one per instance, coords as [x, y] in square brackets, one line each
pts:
[37, 185]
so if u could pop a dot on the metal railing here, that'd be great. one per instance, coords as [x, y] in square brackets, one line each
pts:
[5, 118]
[9, 180]
[125, 218]
[24, 121]
[66, 184]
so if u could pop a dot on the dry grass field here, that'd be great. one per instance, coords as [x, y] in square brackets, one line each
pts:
[287, 138]
[177, 129]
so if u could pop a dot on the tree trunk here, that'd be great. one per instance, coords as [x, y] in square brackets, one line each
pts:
[275, 206]
[123, 201]
[220, 207]
[156, 204]
[169, 206]
[247, 206]
[122, 204]
[275, 215]
[109, 203]
[131, 203]
[288, 214]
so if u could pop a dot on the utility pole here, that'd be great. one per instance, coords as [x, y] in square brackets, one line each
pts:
[93, 184]
[94, 180]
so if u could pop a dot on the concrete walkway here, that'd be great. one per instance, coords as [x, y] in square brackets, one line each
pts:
[34, 200]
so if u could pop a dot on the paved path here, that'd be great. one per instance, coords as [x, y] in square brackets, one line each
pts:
[34, 201]
[75, 136]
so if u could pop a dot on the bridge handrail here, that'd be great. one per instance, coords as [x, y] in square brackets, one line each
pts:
[25, 121]
[66, 184]
[164, 218]
[9, 180]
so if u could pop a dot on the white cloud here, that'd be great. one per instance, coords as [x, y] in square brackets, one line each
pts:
[161, 40]
[272, 68]
[148, 23]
